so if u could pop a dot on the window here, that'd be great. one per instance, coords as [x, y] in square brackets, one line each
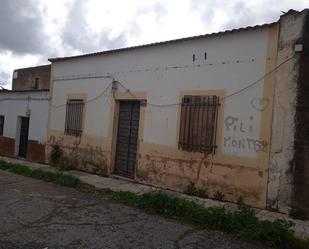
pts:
[198, 123]
[74, 117]
[1, 125]
[36, 83]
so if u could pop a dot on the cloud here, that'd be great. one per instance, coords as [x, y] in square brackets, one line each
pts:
[78, 35]
[223, 15]
[21, 25]
[4, 76]
[34, 30]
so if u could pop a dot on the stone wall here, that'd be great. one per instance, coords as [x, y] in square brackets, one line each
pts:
[282, 162]
[300, 199]
[31, 78]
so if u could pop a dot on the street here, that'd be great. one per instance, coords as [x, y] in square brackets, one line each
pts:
[40, 215]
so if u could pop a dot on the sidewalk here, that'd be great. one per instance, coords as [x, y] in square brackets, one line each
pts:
[116, 183]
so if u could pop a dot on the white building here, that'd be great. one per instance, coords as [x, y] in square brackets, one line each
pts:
[215, 110]
[23, 124]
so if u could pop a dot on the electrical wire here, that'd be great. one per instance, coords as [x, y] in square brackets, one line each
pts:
[260, 79]
[156, 69]
[83, 76]
[164, 105]
[23, 99]
[190, 66]
[90, 100]
[225, 97]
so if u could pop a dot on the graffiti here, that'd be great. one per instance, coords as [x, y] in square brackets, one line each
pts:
[235, 124]
[246, 144]
[241, 133]
[259, 104]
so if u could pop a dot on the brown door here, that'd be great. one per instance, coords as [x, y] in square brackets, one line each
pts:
[127, 136]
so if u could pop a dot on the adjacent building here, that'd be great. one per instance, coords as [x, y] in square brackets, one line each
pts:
[24, 114]
[31, 78]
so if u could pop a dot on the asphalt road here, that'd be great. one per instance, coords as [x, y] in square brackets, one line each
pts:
[36, 214]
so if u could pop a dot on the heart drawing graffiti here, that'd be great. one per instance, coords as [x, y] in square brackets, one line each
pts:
[259, 104]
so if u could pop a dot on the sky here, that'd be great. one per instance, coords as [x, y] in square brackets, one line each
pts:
[31, 31]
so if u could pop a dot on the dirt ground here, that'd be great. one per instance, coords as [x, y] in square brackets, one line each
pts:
[36, 214]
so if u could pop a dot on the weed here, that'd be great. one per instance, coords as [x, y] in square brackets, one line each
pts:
[4, 165]
[66, 180]
[297, 214]
[196, 191]
[219, 196]
[56, 155]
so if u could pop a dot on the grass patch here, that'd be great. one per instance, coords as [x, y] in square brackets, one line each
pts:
[58, 177]
[242, 223]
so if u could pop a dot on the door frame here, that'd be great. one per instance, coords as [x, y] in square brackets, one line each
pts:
[126, 96]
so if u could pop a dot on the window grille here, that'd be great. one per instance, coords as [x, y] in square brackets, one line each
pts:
[74, 117]
[198, 123]
[1, 125]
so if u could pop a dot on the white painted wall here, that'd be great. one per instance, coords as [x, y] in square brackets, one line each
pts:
[164, 86]
[14, 105]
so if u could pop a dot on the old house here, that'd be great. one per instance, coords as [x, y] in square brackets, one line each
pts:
[227, 111]
[24, 114]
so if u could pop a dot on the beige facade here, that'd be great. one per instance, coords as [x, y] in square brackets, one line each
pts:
[244, 68]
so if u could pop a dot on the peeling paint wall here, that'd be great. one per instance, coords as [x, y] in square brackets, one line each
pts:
[300, 199]
[280, 184]
[86, 153]
[239, 168]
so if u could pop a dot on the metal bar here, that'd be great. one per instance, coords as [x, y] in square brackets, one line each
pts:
[202, 143]
[187, 123]
[215, 125]
[206, 128]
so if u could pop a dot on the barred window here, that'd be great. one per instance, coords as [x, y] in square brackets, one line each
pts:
[1, 124]
[74, 117]
[198, 123]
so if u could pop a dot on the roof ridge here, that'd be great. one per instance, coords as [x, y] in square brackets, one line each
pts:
[164, 42]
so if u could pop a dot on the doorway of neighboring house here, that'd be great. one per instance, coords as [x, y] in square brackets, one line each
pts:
[23, 137]
[127, 136]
